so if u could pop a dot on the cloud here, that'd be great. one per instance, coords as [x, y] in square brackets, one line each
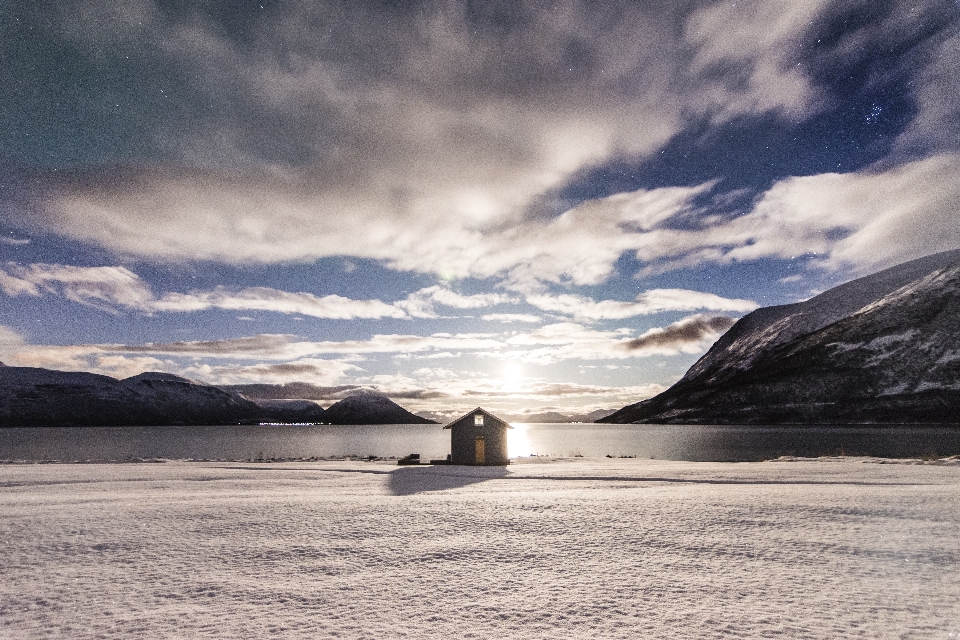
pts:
[262, 346]
[267, 299]
[882, 218]
[14, 242]
[416, 138]
[936, 127]
[862, 221]
[285, 347]
[288, 356]
[649, 302]
[124, 367]
[310, 371]
[461, 392]
[9, 339]
[295, 391]
[690, 331]
[100, 287]
[420, 304]
[753, 47]
[571, 341]
[512, 317]
[89, 358]
[109, 288]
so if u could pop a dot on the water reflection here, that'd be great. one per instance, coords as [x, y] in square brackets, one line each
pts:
[518, 441]
[672, 442]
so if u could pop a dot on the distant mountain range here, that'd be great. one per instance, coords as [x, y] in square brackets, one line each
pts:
[880, 349]
[557, 417]
[43, 397]
[530, 418]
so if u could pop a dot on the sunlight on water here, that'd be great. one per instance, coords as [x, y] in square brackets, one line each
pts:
[518, 440]
[666, 442]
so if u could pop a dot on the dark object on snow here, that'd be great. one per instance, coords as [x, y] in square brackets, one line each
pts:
[413, 458]
[444, 461]
[478, 438]
[877, 350]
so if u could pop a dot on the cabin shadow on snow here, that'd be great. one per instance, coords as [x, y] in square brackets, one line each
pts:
[407, 481]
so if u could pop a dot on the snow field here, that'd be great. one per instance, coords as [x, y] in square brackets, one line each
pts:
[580, 548]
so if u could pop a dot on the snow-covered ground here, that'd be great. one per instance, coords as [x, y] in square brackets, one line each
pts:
[574, 548]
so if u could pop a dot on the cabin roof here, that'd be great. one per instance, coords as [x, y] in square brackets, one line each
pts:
[470, 414]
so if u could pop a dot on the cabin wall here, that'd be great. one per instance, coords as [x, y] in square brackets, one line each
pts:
[463, 438]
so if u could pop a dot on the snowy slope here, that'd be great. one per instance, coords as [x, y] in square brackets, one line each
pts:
[885, 348]
[768, 327]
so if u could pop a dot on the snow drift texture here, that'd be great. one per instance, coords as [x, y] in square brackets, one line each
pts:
[884, 349]
[592, 549]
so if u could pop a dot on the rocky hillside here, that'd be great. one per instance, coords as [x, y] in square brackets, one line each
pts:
[880, 349]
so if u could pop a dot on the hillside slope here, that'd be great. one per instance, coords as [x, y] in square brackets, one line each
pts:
[880, 349]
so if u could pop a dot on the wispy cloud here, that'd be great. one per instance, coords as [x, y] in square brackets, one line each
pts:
[312, 371]
[512, 317]
[545, 345]
[421, 304]
[103, 287]
[9, 339]
[111, 288]
[649, 302]
[267, 299]
[282, 347]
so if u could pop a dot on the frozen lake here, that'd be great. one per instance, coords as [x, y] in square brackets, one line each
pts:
[544, 548]
[664, 442]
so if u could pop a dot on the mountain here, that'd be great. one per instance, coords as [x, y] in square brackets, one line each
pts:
[556, 417]
[369, 407]
[296, 398]
[32, 396]
[291, 410]
[288, 391]
[880, 349]
[42, 397]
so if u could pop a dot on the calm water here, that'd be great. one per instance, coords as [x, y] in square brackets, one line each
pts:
[670, 442]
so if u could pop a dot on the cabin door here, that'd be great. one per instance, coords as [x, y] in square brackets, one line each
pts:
[480, 453]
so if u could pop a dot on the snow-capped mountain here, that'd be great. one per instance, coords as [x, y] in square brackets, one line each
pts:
[34, 396]
[369, 407]
[291, 410]
[884, 348]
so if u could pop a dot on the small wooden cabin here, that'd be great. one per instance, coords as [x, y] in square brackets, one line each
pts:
[478, 438]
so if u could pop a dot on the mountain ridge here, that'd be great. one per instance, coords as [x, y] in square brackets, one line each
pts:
[32, 396]
[881, 349]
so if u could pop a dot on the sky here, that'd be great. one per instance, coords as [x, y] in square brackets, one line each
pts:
[553, 206]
